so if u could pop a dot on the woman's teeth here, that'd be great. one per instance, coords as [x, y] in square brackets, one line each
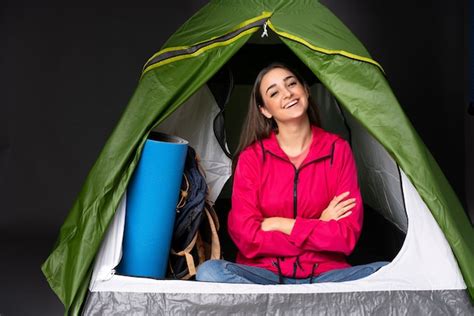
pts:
[291, 104]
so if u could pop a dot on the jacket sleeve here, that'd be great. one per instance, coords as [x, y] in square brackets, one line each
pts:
[245, 218]
[337, 236]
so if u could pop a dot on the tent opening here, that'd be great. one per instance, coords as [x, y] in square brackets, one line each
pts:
[385, 219]
[211, 120]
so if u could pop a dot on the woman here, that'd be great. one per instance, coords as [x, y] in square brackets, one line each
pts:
[296, 207]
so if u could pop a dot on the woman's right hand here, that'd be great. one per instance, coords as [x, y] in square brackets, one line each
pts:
[338, 208]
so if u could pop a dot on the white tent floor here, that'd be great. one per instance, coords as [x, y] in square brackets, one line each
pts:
[425, 262]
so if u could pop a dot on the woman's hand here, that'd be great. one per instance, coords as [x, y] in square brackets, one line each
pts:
[338, 208]
[281, 224]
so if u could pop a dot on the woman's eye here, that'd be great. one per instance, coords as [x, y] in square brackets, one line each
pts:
[273, 94]
[292, 83]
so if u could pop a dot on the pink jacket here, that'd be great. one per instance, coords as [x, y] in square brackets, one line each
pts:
[267, 184]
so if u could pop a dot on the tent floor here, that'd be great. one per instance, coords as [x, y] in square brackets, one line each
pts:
[446, 302]
[380, 239]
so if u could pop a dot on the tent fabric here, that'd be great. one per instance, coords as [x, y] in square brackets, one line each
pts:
[200, 110]
[340, 62]
[443, 302]
[306, 21]
[377, 171]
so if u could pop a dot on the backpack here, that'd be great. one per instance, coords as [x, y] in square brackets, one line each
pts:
[195, 237]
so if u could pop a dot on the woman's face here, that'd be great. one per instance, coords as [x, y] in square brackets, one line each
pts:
[284, 97]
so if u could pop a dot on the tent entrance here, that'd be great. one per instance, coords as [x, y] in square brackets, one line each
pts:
[385, 222]
[211, 120]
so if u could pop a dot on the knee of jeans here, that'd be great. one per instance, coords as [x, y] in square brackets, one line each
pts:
[379, 264]
[373, 267]
[210, 270]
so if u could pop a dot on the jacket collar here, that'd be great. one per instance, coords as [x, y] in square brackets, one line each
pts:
[321, 145]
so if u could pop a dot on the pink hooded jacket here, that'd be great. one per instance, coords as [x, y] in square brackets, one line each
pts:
[267, 184]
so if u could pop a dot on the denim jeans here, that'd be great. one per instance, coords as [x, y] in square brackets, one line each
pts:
[228, 272]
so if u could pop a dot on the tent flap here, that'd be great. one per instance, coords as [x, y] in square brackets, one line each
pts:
[67, 268]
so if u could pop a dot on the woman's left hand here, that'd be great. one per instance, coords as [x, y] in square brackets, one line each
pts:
[281, 224]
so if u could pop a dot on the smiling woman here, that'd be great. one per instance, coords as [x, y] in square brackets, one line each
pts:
[284, 97]
[296, 206]
[276, 90]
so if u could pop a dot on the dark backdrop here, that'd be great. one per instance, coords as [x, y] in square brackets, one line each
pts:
[67, 74]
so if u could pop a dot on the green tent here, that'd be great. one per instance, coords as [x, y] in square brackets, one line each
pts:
[188, 60]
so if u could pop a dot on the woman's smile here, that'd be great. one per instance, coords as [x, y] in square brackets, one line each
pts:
[290, 104]
[281, 91]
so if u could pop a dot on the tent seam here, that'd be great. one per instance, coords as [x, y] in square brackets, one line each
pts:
[324, 50]
[264, 15]
[200, 51]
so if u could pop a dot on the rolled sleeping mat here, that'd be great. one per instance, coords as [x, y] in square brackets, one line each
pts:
[152, 195]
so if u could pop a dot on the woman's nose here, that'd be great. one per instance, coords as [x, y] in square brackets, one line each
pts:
[287, 92]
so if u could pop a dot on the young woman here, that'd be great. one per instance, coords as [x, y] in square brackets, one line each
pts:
[296, 207]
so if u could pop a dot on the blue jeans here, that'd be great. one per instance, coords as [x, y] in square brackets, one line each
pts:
[222, 271]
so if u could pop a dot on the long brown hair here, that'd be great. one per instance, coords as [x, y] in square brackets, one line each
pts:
[256, 126]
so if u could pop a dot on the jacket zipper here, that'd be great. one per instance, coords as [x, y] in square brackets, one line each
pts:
[295, 179]
[295, 199]
[295, 193]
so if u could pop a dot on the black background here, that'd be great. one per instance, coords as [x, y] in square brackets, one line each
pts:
[67, 73]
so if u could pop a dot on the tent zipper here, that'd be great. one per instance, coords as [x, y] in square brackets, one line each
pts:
[176, 53]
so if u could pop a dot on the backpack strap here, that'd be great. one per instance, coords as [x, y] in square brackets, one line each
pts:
[183, 194]
[215, 247]
[189, 258]
[214, 223]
